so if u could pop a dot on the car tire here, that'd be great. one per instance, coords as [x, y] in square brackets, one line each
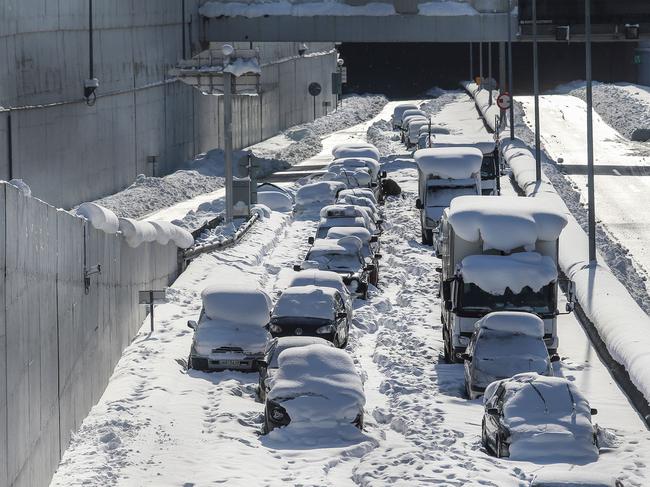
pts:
[445, 347]
[468, 391]
[427, 237]
[499, 447]
[344, 343]
[484, 440]
[374, 277]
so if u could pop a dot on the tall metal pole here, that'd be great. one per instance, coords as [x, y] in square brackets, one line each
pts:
[590, 138]
[471, 62]
[490, 71]
[227, 122]
[510, 89]
[480, 63]
[538, 154]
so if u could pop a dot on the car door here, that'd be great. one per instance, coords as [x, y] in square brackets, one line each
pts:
[341, 323]
[492, 423]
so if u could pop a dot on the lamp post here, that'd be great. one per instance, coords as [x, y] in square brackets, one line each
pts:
[510, 89]
[590, 137]
[538, 154]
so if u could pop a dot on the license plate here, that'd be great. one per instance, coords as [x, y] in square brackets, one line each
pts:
[229, 362]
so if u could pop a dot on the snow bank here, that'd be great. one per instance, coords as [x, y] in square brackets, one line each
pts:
[506, 223]
[137, 232]
[570, 478]
[513, 322]
[482, 99]
[556, 428]
[22, 186]
[320, 192]
[306, 301]
[449, 162]
[167, 231]
[237, 301]
[99, 217]
[495, 273]
[318, 384]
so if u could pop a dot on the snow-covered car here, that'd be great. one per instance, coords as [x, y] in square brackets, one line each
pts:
[355, 149]
[269, 365]
[275, 197]
[574, 478]
[428, 134]
[504, 344]
[369, 250]
[347, 216]
[398, 111]
[409, 114]
[536, 418]
[343, 256]
[352, 178]
[362, 192]
[323, 192]
[317, 277]
[360, 201]
[315, 386]
[360, 163]
[231, 330]
[311, 311]
[413, 132]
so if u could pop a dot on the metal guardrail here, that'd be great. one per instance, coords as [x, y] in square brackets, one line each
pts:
[186, 256]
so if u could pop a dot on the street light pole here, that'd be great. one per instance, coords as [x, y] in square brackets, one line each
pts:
[227, 121]
[471, 62]
[510, 89]
[480, 63]
[590, 138]
[538, 154]
[490, 70]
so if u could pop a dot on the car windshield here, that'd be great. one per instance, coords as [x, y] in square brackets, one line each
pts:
[334, 262]
[541, 302]
[488, 169]
[441, 196]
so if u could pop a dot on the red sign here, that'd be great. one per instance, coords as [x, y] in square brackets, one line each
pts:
[504, 100]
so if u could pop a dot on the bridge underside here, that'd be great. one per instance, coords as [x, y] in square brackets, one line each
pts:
[356, 28]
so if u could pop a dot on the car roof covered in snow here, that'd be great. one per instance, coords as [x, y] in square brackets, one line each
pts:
[318, 384]
[236, 300]
[365, 192]
[360, 232]
[357, 162]
[449, 162]
[307, 301]
[347, 245]
[314, 277]
[411, 112]
[402, 107]
[367, 151]
[447, 140]
[494, 273]
[506, 222]
[352, 144]
[342, 211]
[512, 322]
[321, 191]
[349, 199]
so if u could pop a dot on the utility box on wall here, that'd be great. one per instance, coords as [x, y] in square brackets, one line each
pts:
[241, 198]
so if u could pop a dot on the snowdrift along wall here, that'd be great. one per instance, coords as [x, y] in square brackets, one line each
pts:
[58, 344]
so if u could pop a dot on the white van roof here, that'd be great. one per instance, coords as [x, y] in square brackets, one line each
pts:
[449, 162]
[486, 146]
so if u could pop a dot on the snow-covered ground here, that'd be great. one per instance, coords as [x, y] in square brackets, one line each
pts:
[159, 425]
[622, 183]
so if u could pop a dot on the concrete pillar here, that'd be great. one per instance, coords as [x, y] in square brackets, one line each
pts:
[502, 66]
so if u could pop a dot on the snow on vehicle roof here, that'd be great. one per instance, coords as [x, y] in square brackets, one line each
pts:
[364, 192]
[447, 140]
[411, 112]
[348, 199]
[371, 164]
[307, 302]
[359, 177]
[352, 144]
[513, 322]
[572, 478]
[504, 222]
[212, 334]
[494, 273]
[343, 152]
[356, 221]
[340, 232]
[435, 129]
[319, 192]
[400, 109]
[275, 200]
[312, 277]
[344, 245]
[548, 417]
[449, 162]
[406, 121]
[317, 384]
[237, 301]
[341, 211]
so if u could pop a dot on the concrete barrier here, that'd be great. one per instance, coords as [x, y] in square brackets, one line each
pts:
[58, 342]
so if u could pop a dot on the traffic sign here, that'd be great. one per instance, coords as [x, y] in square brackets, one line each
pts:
[504, 100]
[314, 89]
[344, 74]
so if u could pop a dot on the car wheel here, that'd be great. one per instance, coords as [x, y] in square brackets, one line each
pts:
[499, 447]
[267, 426]
[468, 390]
[374, 277]
[445, 346]
[344, 343]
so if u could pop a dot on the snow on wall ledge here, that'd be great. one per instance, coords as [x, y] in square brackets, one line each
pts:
[622, 325]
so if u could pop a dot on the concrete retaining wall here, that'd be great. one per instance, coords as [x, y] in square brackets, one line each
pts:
[69, 152]
[59, 345]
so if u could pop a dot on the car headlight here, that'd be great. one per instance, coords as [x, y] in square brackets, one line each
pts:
[325, 329]
[275, 328]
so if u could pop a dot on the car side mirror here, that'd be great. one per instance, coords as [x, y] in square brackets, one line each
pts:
[374, 239]
[570, 307]
[418, 204]
[378, 256]
[379, 222]
[192, 324]
[555, 358]
[449, 305]
[383, 174]
[593, 411]
[310, 240]
[439, 270]
[373, 185]
[297, 267]
[493, 411]
[466, 356]
[262, 364]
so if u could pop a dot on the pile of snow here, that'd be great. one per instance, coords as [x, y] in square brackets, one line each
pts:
[318, 385]
[494, 273]
[167, 231]
[506, 223]
[449, 162]
[138, 232]
[237, 301]
[513, 322]
[548, 418]
[22, 186]
[324, 192]
[99, 217]
[306, 301]
[295, 9]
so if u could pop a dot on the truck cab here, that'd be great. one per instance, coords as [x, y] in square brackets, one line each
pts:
[498, 254]
[443, 174]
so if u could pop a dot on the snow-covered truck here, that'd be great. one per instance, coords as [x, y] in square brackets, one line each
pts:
[443, 174]
[491, 166]
[498, 254]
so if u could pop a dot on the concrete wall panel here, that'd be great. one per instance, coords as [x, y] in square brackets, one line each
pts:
[3, 349]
